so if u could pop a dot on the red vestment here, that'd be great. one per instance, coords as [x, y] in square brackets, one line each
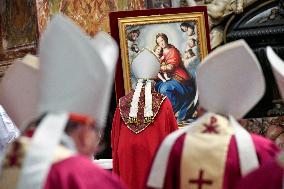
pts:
[79, 172]
[268, 176]
[132, 153]
[265, 149]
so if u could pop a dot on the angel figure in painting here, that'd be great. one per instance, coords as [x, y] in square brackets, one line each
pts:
[190, 61]
[189, 28]
[192, 44]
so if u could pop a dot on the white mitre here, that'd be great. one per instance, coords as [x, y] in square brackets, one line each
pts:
[145, 67]
[230, 82]
[19, 97]
[76, 75]
[19, 90]
[277, 65]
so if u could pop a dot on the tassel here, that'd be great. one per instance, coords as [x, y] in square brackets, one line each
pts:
[132, 120]
[148, 119]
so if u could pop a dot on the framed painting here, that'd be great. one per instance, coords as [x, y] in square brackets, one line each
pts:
[178, 36]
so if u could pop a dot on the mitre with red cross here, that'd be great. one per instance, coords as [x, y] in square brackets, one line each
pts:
[230, 82]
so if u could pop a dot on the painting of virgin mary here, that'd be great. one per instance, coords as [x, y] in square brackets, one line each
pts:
[176, 79]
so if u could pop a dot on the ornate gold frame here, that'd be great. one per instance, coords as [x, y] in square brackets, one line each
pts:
[199, 17]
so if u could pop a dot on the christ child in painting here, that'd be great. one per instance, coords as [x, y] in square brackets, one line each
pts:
[158, 51]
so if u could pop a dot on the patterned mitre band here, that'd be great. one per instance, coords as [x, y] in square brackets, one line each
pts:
[148, 112]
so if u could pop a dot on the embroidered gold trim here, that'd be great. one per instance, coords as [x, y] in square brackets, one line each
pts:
[142, 122]
[148, 119]
[132, 120]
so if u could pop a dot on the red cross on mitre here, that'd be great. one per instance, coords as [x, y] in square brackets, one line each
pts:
[200, 181]
[211, 127]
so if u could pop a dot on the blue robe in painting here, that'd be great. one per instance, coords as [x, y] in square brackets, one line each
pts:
[181, 96]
